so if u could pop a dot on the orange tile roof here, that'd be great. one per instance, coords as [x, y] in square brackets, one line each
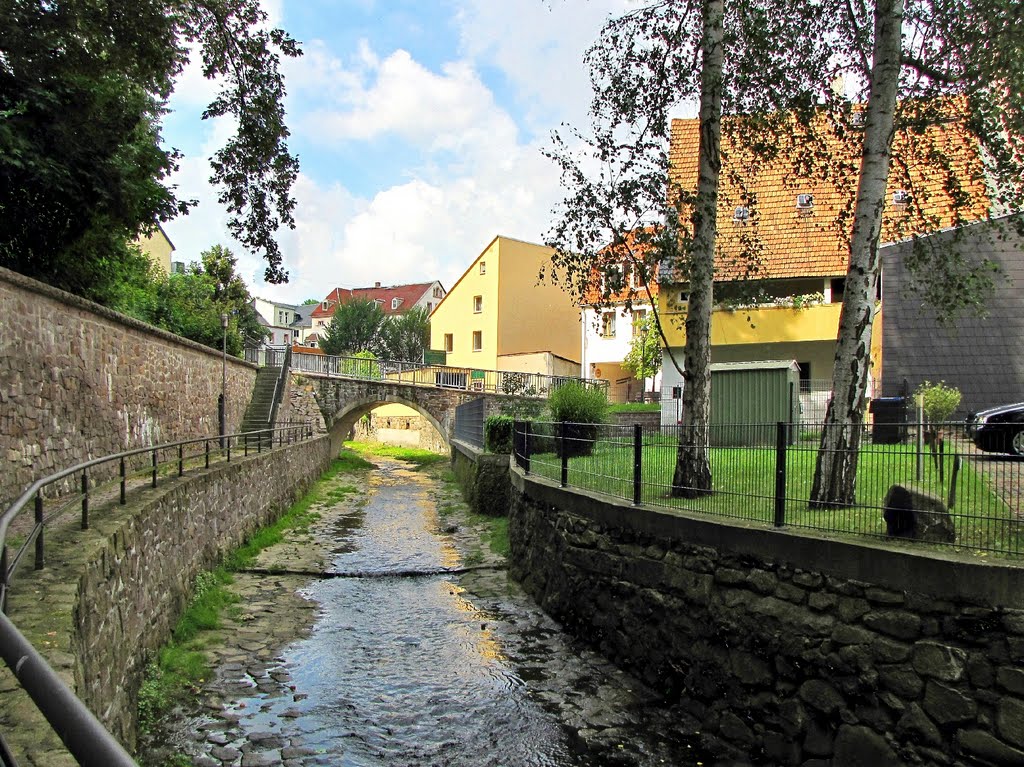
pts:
[626, 253]
[788, 244]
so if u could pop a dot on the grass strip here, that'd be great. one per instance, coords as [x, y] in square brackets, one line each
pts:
[414, 455]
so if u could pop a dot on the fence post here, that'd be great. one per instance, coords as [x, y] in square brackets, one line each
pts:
[206, 449]
[124, 482]
[154, 467]
[780, 474]
[638, 453]
[181, 460]
[564, 452]
[40, 554]
[526, 447]
[85, 499]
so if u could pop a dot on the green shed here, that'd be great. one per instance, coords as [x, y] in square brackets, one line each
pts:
[748, 398]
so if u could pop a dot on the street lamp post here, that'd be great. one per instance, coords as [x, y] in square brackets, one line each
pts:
[224, 379]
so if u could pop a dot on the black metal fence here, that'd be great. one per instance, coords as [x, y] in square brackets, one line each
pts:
[919, 485]
[50, 500]
[469, 423]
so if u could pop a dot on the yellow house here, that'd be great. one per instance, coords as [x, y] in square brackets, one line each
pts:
[498, 316]
[158, 246]
[789, 232]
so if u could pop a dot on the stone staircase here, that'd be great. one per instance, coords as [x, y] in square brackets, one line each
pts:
[257, 414]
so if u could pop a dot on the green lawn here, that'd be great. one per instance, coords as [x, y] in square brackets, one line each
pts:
[743, 480]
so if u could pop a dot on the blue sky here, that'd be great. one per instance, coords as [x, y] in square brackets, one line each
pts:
[419, 128]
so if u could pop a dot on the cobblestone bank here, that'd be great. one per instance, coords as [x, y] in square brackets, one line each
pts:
[78, 381]
[788, 650]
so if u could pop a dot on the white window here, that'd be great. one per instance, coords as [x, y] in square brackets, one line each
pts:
[430, 307]
[483, 267]
[639, 315]
[478, 304]
[438, 293]
[478, 340]
[608, 325]
[325, 305]
[395, 302]
[449, 342]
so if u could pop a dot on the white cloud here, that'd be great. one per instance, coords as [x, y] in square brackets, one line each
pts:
[472, 174]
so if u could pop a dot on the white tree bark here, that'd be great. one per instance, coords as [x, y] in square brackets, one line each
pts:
[693, 468]
[836, 469]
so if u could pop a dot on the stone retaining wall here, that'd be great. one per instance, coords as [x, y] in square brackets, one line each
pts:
[483, 479]
[78, 381]
[136, 586]
[786, 649]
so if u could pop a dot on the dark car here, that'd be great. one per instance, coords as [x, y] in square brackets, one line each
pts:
[998, 429]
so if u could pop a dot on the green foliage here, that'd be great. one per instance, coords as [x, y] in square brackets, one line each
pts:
[938, 400]
[361, 365]
[82, 93]
[634, 407]
[643, 359]
[577, 403]
[191, 304]
[523, 408]
[499, 433]
[420, 458]
[406, 336]
[356, 326]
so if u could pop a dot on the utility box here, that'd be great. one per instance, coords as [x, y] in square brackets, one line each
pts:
[749, 398]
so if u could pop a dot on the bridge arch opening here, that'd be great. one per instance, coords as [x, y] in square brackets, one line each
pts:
[346, 419]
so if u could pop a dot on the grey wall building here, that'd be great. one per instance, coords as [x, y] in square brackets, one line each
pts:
[983, 357]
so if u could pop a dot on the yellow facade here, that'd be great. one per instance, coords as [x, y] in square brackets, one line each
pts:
[158, 246]
[498, 309]
[807, 335]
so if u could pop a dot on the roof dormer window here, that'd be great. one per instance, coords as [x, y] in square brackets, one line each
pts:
[805, 204]
[395, 303]
[741, 215]
[900, 199]
[325, 305]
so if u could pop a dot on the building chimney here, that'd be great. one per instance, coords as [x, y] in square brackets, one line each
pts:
[376, 284]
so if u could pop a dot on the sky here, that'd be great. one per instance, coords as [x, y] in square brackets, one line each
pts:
[419, 126]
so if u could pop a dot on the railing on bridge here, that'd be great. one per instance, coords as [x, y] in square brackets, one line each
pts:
[87, 739]
[443, 376]
[267, 356]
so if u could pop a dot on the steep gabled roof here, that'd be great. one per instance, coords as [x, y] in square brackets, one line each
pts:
[788, 243]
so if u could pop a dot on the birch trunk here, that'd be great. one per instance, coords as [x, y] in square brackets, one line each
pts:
[692, 476]
[835, 474]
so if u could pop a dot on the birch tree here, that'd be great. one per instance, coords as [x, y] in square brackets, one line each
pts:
[747, 58]
[947, 61]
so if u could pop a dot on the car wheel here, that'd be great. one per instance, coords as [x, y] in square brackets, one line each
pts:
[1017, 443]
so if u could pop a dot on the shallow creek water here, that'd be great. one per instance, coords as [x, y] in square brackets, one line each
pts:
[399, 662]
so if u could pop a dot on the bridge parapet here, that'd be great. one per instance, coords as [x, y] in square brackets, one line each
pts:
[477, 380]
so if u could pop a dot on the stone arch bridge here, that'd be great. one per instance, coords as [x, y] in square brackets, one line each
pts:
[343, 401]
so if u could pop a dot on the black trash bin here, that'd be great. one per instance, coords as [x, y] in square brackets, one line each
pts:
[890, 420]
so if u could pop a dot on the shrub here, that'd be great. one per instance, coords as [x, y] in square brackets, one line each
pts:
[574, 402]
[498, 433]
[582, 408]
[938, 400]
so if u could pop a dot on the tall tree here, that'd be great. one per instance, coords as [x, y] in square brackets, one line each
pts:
[406, 336]
[82, 92]
[960, 62]
[357, 326]
[744, 58]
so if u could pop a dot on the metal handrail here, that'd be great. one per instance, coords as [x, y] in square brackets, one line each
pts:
[279, 386]
[437, 376]
[85, 737]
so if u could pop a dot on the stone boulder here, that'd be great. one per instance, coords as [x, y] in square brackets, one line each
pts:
[912, 513]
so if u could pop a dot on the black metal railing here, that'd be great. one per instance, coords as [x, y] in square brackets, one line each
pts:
[963, 497]
[279, 387]
[49, 500]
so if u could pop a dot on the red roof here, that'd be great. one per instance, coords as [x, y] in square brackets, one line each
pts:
[407, 296]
